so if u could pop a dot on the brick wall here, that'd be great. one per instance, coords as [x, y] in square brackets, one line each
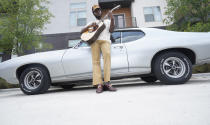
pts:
[125, 11]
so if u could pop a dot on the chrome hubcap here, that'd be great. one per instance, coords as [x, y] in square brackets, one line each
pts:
[174, 67]
[33, 79]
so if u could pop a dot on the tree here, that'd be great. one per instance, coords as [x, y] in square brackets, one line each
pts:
[21, 25]
[188, 15]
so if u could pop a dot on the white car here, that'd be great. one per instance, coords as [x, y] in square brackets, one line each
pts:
[152, 54]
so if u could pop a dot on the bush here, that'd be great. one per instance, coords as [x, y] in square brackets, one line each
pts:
[202, 68]
[5, 85]
[198, 27]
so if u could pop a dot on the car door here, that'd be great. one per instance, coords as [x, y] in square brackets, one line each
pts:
[119, 62]
[77, 62]
[137, 50]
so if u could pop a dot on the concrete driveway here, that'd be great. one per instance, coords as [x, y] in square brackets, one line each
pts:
[135, 103]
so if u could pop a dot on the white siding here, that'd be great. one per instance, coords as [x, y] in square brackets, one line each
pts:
[60, 23]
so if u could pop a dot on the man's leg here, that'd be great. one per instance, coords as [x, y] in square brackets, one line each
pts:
[106, 51]
[95, 50]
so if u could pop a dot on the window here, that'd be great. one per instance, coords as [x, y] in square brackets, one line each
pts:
[78, 14]
[0, 59]
[1, 56]
[39, 48]
[14, 56]
[73, 43]
[83, 44]
[116, 37]
[152, 14]
[129, 36]
[119, 21]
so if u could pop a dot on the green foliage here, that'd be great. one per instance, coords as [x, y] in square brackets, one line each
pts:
[202, 69]
[21, 25]
[184, 14]
[5, 85]
[198, 27]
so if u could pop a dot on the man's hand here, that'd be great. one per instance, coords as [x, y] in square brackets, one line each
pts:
[111, 29]
[110, 15]
[92, 25]
[87, 27]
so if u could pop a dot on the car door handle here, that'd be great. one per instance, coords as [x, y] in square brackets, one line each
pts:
[116, 47]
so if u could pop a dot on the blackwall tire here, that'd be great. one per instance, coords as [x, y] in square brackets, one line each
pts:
[149, 79]
[34, 80]
[172, 68]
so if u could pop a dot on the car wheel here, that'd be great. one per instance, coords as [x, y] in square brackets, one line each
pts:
[67, 86]
[34, 80]
[173, 68]
[149, 79]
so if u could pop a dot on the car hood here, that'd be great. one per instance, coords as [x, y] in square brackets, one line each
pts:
[34, 58]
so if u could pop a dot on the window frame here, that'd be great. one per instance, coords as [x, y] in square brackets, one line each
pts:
[120, 37]
[124, 19]
[77, 11]
[153, 14]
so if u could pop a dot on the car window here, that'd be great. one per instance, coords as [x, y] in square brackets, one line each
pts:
[83, 44]
[129, 36]
[72, 43]
[116, 37]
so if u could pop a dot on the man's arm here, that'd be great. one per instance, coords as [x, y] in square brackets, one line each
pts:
[84, 29]
[87, 27]
[111, 29]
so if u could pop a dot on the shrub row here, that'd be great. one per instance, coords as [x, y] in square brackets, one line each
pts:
[5, 85]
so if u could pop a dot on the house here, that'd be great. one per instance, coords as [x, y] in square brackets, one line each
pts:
[72, 15]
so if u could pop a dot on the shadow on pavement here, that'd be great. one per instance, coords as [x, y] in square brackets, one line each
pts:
[118, 84]
[89, 87]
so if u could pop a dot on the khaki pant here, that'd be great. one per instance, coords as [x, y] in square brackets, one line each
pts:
[96, 48]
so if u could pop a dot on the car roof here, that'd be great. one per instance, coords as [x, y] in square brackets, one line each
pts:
[127, 29]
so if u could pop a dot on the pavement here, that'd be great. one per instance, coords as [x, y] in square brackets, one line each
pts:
[135, 103]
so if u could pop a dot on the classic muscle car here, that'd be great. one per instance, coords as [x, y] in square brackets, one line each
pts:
[149, 53]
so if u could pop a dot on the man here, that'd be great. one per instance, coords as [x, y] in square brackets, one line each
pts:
[102, 44]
